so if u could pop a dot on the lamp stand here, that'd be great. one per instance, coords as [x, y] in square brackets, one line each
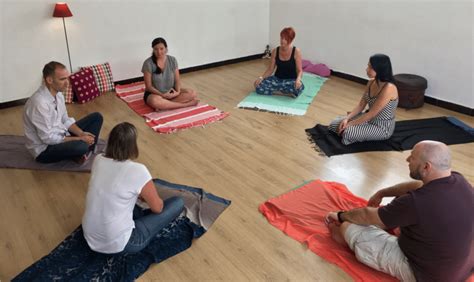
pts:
[67, 45]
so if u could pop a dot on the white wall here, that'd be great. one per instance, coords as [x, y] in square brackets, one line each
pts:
[433, 39]
[120, 31]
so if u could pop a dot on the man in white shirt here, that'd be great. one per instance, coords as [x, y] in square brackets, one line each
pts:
[51, 134]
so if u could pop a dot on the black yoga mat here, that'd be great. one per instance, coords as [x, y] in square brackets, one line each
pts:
[448, 130]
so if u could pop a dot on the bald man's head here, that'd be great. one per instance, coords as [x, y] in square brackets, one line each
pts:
[436, 153]
[429, 160]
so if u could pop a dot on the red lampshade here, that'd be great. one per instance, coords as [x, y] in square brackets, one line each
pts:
[61, 10]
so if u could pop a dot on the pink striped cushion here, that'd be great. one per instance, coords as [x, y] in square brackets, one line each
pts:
[103, 77]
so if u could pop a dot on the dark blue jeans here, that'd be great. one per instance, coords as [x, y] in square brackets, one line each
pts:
[73, 149]
[148, 224]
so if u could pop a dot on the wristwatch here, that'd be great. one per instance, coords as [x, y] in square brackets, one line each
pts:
[339, 218]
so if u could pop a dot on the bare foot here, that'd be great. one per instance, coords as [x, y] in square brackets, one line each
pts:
[193, 102]
[82, 159]
[336, 233]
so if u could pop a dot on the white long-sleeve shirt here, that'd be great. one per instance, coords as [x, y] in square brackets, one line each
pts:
[45, 120]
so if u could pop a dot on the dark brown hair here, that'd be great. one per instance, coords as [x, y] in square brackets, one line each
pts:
[122, 142]
[50, 67]
[153, 57]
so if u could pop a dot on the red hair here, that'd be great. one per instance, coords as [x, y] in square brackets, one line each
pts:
[288, 33]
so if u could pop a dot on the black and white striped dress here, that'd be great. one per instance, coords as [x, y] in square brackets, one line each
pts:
[381, 127]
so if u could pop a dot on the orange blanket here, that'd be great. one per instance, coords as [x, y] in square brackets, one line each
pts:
[300, 214]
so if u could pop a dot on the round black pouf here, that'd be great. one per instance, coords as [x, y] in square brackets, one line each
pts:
[411, 90]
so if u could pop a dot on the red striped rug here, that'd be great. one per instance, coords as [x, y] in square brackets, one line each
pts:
[167, 121]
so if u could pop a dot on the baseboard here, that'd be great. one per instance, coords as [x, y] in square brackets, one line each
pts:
[20, 102]
[13, 103]
[450, 106]
[429, 100]
[201, 67]
[350, 77]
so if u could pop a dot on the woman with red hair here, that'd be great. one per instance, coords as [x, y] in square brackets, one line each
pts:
[286, 59]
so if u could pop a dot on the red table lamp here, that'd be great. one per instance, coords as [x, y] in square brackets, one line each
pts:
[61, 10]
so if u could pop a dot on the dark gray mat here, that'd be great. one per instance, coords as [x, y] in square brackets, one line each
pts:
[13, 154]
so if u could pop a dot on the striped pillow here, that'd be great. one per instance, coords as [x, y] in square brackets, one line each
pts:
[103, 77]
[68, 94]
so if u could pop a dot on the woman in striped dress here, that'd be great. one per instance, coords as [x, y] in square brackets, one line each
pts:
[381, 95]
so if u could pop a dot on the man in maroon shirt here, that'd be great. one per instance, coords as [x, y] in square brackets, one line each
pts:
[435, 216]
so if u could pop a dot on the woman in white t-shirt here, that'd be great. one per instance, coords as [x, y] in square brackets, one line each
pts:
[112, 223]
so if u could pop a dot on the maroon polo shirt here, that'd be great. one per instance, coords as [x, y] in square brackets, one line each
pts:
[437, 228]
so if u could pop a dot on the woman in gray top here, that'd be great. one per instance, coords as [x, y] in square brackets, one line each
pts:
[161, 75]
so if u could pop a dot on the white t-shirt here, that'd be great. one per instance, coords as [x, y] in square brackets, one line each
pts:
[113, 191]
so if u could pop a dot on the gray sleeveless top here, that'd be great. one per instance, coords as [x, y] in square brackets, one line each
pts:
[165, 80]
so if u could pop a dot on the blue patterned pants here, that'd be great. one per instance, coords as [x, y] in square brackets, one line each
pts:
[273, 83]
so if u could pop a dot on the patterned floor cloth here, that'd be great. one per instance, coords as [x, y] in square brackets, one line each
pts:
[284, 104]
[73, 260]
[171, 120]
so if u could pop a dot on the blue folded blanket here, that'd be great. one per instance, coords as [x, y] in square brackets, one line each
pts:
[73, 260]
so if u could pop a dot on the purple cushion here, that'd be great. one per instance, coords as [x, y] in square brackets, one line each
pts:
[305, 63]
[319, 69]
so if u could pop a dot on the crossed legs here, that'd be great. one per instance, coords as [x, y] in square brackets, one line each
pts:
[272, 85]
[374, 247]
[186, 98]
[148, 225]
[75, 150]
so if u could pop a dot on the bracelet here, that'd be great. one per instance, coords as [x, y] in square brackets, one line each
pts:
[339, 218]
[260, 77]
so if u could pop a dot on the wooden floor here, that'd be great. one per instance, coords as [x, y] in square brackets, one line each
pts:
[248, 158]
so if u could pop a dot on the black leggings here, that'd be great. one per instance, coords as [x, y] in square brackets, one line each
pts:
[145, 96]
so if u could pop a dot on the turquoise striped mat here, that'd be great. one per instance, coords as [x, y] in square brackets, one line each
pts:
[284, 104]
